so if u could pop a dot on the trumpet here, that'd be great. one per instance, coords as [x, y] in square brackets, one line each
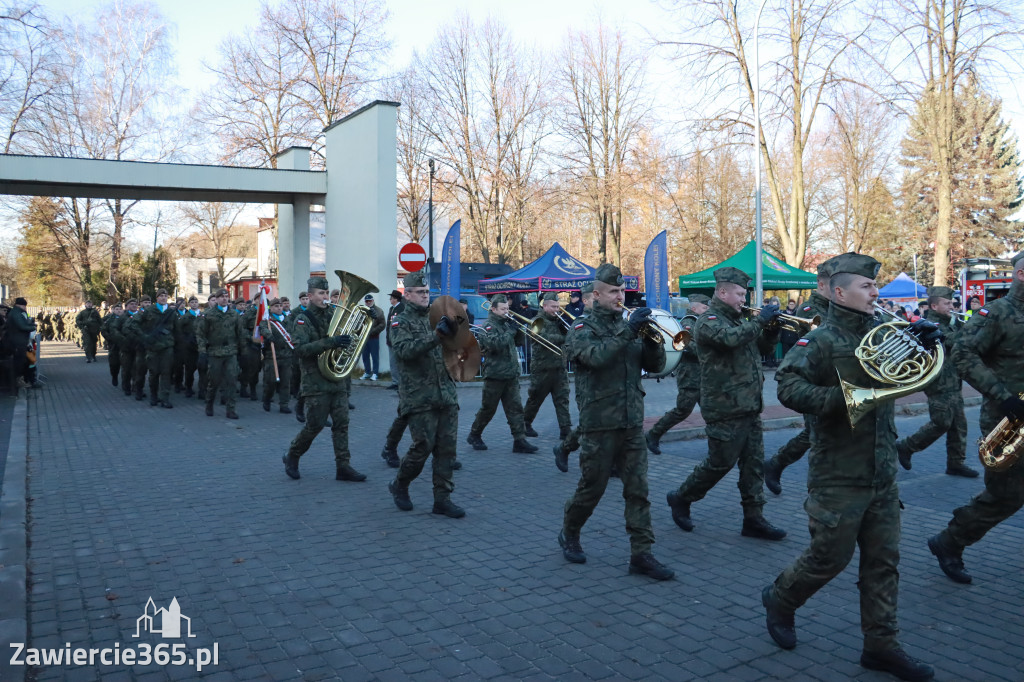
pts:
[792, 323]
[656, 333]
[529, 327]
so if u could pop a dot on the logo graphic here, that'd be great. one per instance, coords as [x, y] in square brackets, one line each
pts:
[570, 266]
[774, 263]
[170, 620]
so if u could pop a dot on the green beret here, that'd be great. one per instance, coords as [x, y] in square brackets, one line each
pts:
[732, 276]
[587, 288]
[609, 274]
[317, 283]
[498, 298]
[699, 298]
[1016, 259]
[941, 292]
[549, 296]
[857, 264]
[414, 279]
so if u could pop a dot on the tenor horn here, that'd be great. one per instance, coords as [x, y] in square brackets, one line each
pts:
[350, 318]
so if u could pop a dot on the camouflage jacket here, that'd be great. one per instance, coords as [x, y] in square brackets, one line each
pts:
[498, 340]
[864, 455]
[88, 320]
[989, 352]
[156, 328]
[310, 340]
[730, 348]
[609, 357]
[544, 360]
[815, 305]
[948, 381]
[272, 335]
[688, 370]
[110, 330]
[123, 331]
[425, 383]
[185, 331]
[219, 333]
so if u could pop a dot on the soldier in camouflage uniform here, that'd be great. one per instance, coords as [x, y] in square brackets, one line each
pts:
[990, 356]
[110, 323]
[126, 345]
[945, 398]
[274, 333]
[571, 443]
[687, 378]
[426, 398]
[156, 324]
[323, 397]
[498, 340]
[250, 360]
[300, 412]
[88, 322]
[547, 371]
[133, 332]
[853, 499]
[219, 335]
[609, 354]
[794, 450]
[186, 347]
[730, 349]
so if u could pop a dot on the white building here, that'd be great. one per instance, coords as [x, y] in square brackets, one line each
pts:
[198, 276]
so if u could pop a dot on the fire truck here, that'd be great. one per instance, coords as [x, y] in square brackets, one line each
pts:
[984, 278]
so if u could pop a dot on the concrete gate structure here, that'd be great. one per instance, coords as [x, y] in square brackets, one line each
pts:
[357, 189]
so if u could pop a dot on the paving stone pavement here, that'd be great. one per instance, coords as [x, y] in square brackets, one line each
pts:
[321, 580]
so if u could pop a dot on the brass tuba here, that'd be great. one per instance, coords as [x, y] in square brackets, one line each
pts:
[352, 318]
[1002, 447]
[890, 355]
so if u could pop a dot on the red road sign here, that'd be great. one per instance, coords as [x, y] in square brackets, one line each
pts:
[412, 257]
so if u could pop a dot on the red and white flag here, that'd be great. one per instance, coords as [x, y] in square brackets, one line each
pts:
[263, 313]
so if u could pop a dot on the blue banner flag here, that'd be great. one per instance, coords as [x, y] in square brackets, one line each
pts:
[451, 262]
[656, 272]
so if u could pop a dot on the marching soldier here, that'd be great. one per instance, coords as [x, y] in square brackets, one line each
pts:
[609, 354]
[990, 356]
[571, 443]
[945, 398]
[274, 333]
[300, 413]
[251, 360]
[127, 345]
[59, 324]
[323, 397]
[426, 398]
[547, 371]
[687, 378]
[131, 329]
[110, 323]
[853, 499]
[498, 340]
[817, 305]
[731, 382]
[88, 322]
[156, 325]
[219, 335]
[186, 346]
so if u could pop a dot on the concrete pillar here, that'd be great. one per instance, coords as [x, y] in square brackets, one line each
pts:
[293, 231]
[362, 200]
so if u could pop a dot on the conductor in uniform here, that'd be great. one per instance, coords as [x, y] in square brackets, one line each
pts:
[609, 354]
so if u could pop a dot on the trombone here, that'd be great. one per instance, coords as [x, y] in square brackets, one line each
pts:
[793, 323]
[659, 334]
[528, 327]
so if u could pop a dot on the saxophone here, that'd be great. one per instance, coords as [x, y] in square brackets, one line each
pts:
[352, 318]
[1002, 447]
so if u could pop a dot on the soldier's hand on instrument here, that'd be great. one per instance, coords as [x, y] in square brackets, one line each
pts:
[341, 341]
[928, 333]
[1013, 407]
[638, 318]
[445, 327]
[769, 314]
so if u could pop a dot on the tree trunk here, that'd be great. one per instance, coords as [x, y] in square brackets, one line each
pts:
[115, 253]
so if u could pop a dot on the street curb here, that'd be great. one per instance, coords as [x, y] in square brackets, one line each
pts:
[13, 543]
[797, 421]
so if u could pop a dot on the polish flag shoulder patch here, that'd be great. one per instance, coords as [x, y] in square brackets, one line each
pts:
[578, 326]
[712, 317]
[395, 323]
[807, 308]
[488, 327]
[300, 321]
[803, 342]
[983, 311]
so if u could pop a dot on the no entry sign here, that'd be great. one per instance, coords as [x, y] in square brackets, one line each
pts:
[412, 257]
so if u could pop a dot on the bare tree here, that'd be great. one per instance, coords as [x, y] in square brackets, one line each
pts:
[216, 221]
[413, 155]
[27, 63]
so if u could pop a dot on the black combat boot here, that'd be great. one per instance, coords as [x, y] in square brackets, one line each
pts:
[291, 466]
[950, 558]
[189, 392]
[113, 381]
[779, 621]
[177, 388]
[231, 414]
[153, 402]
[680, 511]
[758, 527]
[773, 476]
[571, 548]
[266, 406]
[166, 404]
[899, 663]
[476, 441]
[530, 432]
[401, 494]
[524, 446]
[140, 396]
[448, 508]
[390, 455]
[646, 564]
[903, 454]
[561, 458]
[252, 394]
[300, 411]
[209, 408]
[284, 409]
[961, 470]
[345, 472]
[243, 392]
[653, 443]
[456, 465]
[202, 394]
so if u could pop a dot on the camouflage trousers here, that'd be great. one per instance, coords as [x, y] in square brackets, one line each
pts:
[731, 442]
[89, 344]
[627, 450]
[686, 399]
[284, 386]
[189, 364]
[795, 448]
[434, 431]
[159, 364]
[127, 370]
[222, 373]
[318, 407]
[139, 371]
[114, 362]
[545, 382]
[505, 391]
[841, 519]
[396, 432]
[945, 416]
[250, 363]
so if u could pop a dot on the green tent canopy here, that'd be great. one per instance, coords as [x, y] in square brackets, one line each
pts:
[776, 274]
